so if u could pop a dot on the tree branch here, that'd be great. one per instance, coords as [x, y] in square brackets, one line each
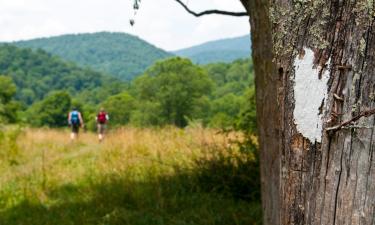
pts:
[366, 113]
[213, 11]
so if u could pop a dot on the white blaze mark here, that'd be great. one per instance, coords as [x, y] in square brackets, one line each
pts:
[309, 93]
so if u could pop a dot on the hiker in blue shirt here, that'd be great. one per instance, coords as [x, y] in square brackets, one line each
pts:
[75, 121]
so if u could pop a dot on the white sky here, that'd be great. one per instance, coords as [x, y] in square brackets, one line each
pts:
[163, 23]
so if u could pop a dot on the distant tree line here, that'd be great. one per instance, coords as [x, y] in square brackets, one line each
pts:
[122, 55]
[37, 73]
[42, 89]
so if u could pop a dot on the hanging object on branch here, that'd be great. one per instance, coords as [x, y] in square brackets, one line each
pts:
[136, 8]
[136, 4]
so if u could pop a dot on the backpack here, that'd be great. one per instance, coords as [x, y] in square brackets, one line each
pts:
[74, 118]
[102, 117]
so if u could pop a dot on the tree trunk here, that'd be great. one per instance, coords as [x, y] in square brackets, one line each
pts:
[314, 64]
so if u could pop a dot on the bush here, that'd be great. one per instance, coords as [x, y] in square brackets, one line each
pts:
[230, 172]
[52, 111]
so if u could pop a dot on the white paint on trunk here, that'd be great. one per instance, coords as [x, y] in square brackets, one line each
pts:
[309, 94]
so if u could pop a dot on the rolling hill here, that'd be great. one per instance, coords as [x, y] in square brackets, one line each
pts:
[224, 50]
[37, 73]
[122, 55]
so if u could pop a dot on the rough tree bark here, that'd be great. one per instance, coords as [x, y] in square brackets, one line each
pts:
[314, 64]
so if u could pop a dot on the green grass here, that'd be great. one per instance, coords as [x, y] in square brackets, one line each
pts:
[136, 177]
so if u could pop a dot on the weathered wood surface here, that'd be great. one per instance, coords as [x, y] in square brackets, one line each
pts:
[308, 179]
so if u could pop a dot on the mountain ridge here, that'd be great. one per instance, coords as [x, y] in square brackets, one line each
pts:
[120, 54]
[126, 56]
[221, 50]
[36, 73]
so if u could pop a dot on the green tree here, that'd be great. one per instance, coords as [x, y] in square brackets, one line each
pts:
[148, 114]
[7, 89]
[225, 110]
[119, 108]
[177, 86]
[247, 118]
[8, 107]
[52, 111]
[36, 73]
[121, 55]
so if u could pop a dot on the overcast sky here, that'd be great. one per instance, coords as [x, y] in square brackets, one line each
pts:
[161, 22]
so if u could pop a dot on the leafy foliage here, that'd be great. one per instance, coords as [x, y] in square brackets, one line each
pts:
[177, 92]
[52, 111]
[229, 100]
[171, 92]
[8, 107]
[119, 107]
[8, 89]
[36, 73]
[119, 54]
[248, 123]
[175, 85]
[230, 172]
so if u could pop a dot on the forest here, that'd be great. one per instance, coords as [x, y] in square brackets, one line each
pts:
[119, 54]
[39, 89]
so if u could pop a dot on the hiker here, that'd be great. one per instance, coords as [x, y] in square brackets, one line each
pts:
[101, 121]
[75, 121]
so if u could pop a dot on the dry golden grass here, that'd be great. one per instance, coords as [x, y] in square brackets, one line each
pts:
[49, 171]
[50, 154]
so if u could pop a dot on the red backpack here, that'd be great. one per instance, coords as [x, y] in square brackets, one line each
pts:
[102, 117]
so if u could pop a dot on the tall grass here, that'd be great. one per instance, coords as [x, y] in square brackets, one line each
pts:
[136, 176]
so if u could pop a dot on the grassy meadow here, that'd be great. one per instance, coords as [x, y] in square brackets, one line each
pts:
[136, 176]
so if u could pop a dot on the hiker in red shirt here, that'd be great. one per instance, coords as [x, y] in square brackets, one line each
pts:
[101, 121]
